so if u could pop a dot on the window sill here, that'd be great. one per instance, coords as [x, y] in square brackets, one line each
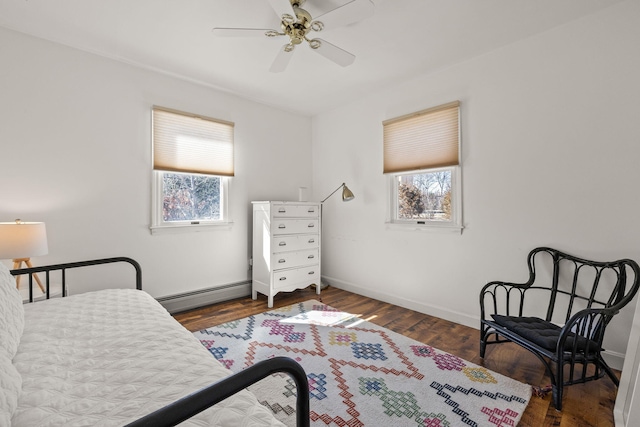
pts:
[429, 227]
[189, 228]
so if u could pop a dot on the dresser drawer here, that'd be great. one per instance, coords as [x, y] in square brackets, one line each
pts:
[294, 259]
[296, 277]
[294, 243]
[294, 226]
[295, 211]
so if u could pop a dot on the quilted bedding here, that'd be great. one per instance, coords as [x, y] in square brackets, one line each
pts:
[107, 358]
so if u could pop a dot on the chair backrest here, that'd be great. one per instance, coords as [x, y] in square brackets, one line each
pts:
[572, 284]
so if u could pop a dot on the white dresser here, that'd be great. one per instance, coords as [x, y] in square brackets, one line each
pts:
[286, 247]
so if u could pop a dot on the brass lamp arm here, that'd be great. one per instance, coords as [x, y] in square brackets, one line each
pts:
[334, 192]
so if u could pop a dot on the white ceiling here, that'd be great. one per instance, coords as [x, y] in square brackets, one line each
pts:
[403, 39]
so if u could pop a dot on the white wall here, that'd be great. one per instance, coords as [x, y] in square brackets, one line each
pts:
[550, 149]
[75, 153]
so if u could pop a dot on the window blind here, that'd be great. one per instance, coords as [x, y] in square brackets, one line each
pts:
[422, 140]
[184, 142]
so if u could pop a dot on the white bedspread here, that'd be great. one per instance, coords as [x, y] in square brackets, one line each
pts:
[107, 358]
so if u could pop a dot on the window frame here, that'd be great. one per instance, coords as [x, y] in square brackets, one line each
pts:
[392, 218]
[455, 224]
[158, 224]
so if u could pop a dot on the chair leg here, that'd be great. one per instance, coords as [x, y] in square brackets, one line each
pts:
[557, 388]
[483, 343]
[557, 397]
[609, 372]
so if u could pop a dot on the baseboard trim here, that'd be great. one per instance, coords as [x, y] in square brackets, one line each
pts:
[190, 300]
[613, 358]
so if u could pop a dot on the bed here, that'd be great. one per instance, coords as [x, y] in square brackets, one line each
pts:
[116, 357]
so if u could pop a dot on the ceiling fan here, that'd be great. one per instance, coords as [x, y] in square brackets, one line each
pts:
[296, 23]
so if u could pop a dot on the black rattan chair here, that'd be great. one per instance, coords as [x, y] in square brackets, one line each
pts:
[569, 303]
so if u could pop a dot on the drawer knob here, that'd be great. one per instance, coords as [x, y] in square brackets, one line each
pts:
[311, 210]
[311, 257]
[283, 278]
[281, 261]
[310, 273]
[311, 225]
[282, 244]
[312, 240]
[282, 226]
[282, 210]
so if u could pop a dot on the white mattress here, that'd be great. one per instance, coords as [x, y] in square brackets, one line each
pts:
[107, 358]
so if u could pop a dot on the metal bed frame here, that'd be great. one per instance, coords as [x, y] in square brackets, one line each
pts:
[66, 266]
[190, 405]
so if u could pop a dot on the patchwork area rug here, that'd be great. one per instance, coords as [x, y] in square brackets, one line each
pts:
[361, 374]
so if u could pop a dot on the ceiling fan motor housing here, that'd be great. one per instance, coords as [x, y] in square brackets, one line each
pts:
[298, 30]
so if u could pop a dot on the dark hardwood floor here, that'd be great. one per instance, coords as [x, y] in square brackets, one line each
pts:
[584, 405]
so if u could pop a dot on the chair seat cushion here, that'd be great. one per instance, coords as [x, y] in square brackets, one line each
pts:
[542, 333]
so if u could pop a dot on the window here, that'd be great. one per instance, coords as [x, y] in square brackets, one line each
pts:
[192, 163]
[422, 162]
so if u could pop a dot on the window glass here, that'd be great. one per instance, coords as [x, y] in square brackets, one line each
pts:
[425, 196]
[187, 197]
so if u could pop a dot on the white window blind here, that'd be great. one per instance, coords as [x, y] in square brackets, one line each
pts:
[188, 143]
[422, 140]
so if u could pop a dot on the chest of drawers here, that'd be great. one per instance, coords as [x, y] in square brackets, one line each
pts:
[286, 247]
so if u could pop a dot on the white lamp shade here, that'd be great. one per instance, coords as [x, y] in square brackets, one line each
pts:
[22, 239]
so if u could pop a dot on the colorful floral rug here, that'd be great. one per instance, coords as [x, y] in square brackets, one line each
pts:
[361, 374]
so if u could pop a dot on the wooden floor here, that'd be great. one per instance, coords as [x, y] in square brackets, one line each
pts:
[584, 405]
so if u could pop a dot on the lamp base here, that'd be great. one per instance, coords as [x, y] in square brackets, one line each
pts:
[17, 264]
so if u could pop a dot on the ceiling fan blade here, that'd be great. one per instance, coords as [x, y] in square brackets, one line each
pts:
[283, 58]
[282, 8]
[353, 11]
[332, 52]
[244, 32]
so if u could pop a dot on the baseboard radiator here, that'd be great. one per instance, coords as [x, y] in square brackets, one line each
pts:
[190, 300]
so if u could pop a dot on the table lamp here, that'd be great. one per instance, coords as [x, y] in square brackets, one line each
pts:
[20, 241]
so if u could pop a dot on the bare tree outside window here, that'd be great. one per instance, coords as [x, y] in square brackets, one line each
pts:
[189, 197]
[425, 196]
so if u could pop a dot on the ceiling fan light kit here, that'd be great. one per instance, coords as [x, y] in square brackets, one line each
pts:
[296, 23]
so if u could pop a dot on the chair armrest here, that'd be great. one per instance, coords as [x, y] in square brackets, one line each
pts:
[588, 326]
[500, 298]
[188, 406]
